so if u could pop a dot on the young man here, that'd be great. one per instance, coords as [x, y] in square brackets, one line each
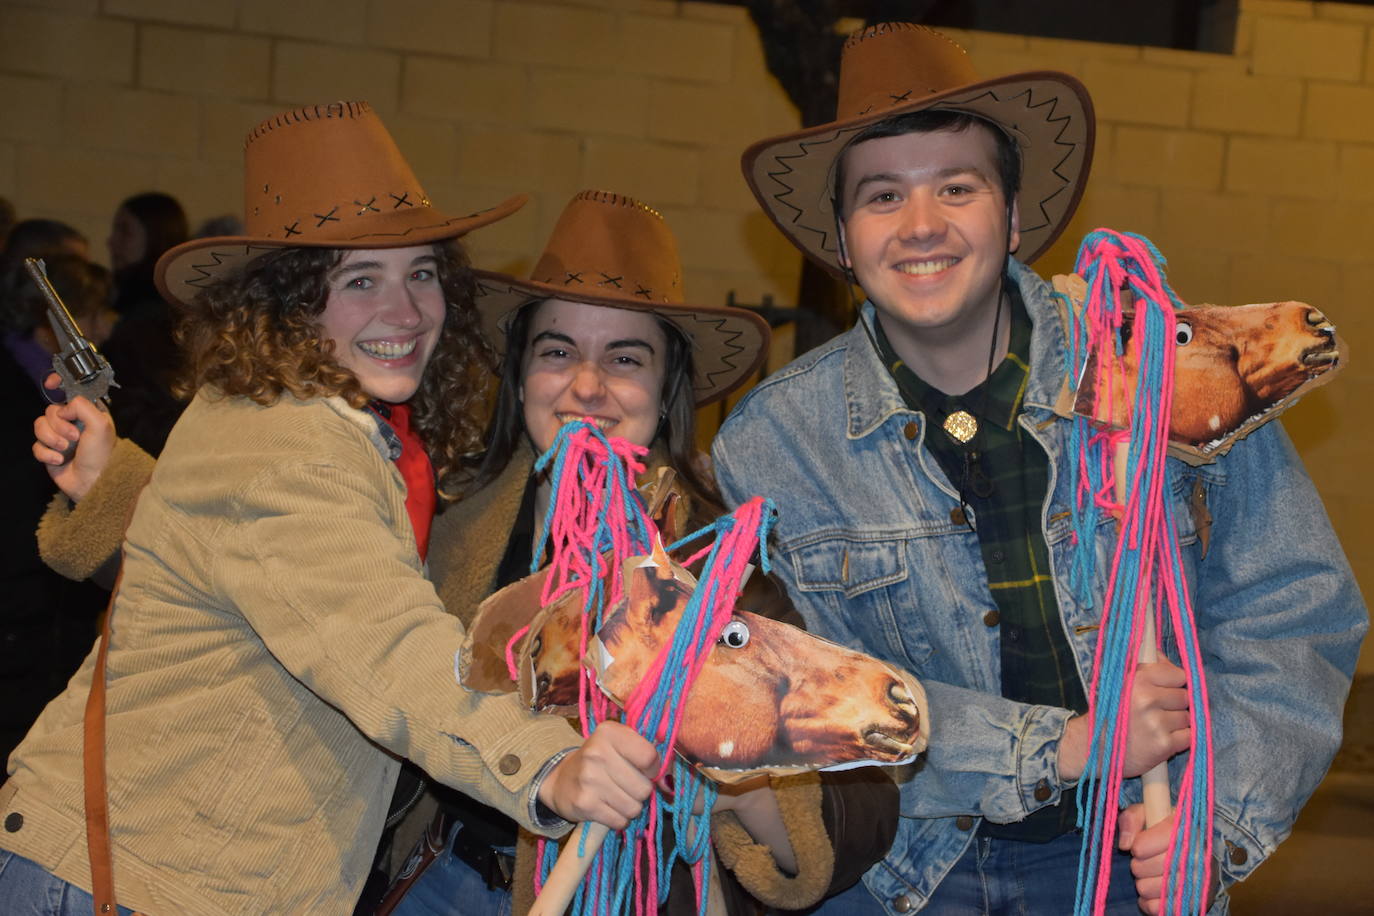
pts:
[922, 485]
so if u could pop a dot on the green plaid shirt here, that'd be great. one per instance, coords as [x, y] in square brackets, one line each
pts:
[1037, 664]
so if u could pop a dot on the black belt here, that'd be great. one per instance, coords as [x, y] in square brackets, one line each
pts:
[496, 868]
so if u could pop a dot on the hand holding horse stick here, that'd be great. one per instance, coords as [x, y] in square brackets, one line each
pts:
[606, 780]
[1157, 730]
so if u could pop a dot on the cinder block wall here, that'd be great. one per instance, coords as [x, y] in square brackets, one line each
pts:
[103, 98]
[1252, 171]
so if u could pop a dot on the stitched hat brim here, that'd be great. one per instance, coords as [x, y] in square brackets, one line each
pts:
[1049, 114]
[728, 344]
[186, 269]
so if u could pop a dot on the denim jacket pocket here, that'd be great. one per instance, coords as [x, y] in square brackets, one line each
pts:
[1192, 489]
[855, 575]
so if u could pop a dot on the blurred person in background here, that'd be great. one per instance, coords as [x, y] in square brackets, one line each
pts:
[49, 620]
[142, 351]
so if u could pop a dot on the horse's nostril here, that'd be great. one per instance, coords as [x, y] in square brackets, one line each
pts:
[897, 693]
[1316, 319]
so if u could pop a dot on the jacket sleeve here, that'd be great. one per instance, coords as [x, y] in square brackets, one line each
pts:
[839, 824]
[78, 541]
[313, 563]
[1280, 622]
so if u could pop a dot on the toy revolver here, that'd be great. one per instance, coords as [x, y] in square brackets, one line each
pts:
[78, 363]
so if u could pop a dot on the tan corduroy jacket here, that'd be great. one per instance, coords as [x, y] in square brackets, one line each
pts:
[275, 643]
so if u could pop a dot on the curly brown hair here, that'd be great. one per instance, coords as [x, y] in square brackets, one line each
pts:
[255, 334]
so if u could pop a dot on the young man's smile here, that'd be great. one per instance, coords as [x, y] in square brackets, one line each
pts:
[926, 234]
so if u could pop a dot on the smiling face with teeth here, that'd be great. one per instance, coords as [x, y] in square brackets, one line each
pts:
[584, 360]
[925, 233]
[384, 312]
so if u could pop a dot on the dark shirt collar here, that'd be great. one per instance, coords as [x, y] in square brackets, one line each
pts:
[997, 400]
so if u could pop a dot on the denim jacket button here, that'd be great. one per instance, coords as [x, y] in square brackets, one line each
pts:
[1237, 854]
[910, 432]
[992, 618]
[964, 822]
[902, 904]
[1042, 791]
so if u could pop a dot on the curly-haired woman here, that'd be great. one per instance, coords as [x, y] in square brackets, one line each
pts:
[275, 647]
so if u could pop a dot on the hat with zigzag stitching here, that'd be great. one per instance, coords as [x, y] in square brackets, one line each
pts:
[898, 68]
[322, 176]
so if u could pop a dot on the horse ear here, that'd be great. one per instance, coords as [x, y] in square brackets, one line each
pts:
[482, 660]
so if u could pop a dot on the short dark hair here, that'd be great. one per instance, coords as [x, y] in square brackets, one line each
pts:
[931, 120]
[83, 287]
[33, 238]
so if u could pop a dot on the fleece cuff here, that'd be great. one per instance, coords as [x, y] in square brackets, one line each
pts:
[799, 801]
[76, 541]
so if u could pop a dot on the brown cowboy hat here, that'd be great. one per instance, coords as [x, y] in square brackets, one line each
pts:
[322, 176]
[897, 68]
[611, 250]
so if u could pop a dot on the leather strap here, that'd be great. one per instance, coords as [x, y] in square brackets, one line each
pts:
[430, 847]
[93, 771]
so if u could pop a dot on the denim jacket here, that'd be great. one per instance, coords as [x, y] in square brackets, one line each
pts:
[869, 552]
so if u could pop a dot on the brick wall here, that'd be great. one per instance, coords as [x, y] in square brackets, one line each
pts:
[1252, 171]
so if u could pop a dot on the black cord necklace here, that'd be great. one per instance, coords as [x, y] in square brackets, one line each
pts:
[960, 425]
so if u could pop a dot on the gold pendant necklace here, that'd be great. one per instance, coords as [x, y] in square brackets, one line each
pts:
[961, 426]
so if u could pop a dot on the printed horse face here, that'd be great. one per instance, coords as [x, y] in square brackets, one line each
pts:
[770, 696]
[1233, 364]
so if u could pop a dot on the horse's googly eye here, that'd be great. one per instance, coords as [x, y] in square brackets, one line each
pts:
[1183, 333]
[736, 634]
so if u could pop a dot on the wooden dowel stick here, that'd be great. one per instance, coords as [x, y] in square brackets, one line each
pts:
[561, 887]
[1154, 782]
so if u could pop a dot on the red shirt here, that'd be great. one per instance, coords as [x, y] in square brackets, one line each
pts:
[416, 470]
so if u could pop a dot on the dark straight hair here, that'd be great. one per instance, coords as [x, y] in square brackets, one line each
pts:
[676, 435]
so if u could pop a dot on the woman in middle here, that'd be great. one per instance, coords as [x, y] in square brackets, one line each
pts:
[601, 330]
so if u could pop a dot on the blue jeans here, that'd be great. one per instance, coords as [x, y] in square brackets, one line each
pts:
[1003, 878]
[28, 889]
[450, 887]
